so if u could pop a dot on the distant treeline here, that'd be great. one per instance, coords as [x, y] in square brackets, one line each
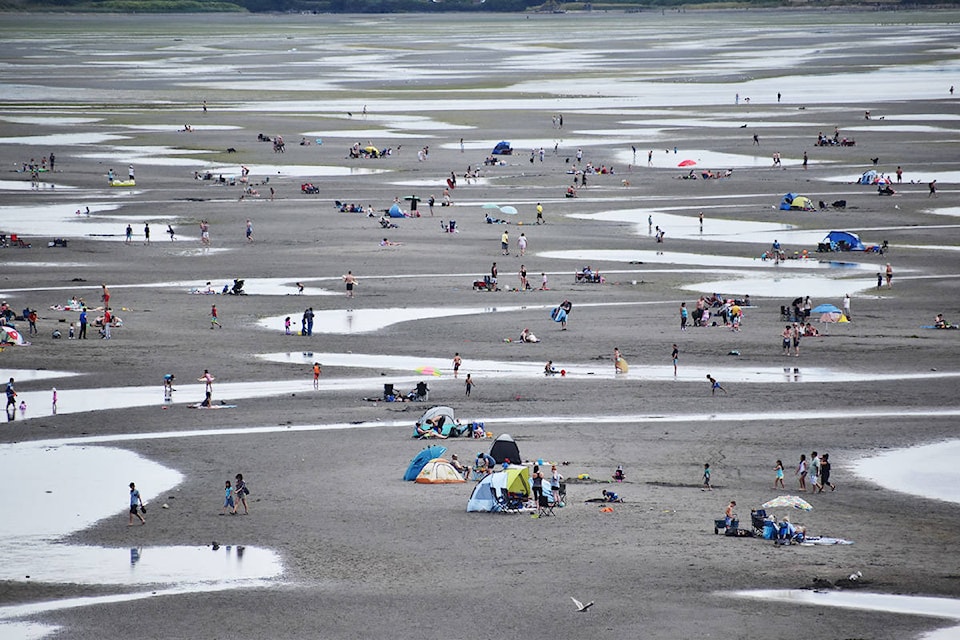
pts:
[419, 6]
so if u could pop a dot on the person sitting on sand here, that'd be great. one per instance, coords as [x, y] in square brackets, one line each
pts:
[526, 336]
[461, 469]
[940, 323]
[810, 331]
[610, 496]
[548, 369]
[389, 243]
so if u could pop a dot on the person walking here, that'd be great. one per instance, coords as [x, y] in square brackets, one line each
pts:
[82, 335]
[813, 472]
[129, 236]
[714, 385]
[228, 502]
[136, 505]
[214, 317]
[805, 160]
[846, 306]
[351, 282]
[932, 185]
[795, 333]
[11, 400]
[540, 213]
[316, 376]
[706, 477]
[778, 475]
[505, 243]
[801, 472]
[241, 492]
[675, 356]
[171, 232]
[522, 244]
[683, 316]
[32, 322]
[146, 233]
[249, 231]
[889, 274]
[468, 384]
[825, 474]
[457, 361]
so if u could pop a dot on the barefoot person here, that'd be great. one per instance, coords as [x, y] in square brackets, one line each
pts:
[351, 281]
[136, 505]
[714, 385]
[316, 376]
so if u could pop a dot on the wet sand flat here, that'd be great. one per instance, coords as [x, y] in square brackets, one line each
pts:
[352, 540]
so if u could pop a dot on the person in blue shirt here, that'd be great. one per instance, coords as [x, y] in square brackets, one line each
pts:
[136, 505]
[610, 496]
[228, 499]
[83, 325]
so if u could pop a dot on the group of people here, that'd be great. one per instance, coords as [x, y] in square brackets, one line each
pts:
[812, 474]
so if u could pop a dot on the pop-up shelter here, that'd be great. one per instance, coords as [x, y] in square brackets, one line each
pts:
[502, 149]
[845, 241]
[421, 459]
[505, 449]
[439, 471]
[395, 211]
[515, 479]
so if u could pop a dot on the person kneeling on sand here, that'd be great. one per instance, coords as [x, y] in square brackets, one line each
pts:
[610, 496]
[548, 369]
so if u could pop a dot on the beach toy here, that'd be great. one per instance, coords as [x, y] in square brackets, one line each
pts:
[489, 434]
[563, 372]
[606, 510]
[583, 476]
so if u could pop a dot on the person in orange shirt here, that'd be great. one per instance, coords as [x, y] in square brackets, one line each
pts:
[316, 375]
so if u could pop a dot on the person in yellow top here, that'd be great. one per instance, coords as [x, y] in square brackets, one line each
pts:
[316, 375]
[505, 243]
[540, 219]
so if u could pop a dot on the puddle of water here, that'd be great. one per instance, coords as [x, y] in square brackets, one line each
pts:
[911, 179]
[944, 211]
[901, 128]
[26, 185]
[61, 221]
[63, 139]
[62, 121]
[178, 128]
[786, 288]
[947, 608]
[20, 264]
[929, 471]
[344, 321]
[60, 563]
[533, 367]
[46, 479]
[295, 171]
[366, 135]
[25, 630]
[715, 160]
[672, 257]
[32, 375]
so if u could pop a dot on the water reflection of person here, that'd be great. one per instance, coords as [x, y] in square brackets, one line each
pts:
[134, 555]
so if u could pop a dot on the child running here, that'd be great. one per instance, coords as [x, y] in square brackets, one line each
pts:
[714, 385]
[778, 470]
[316, 376]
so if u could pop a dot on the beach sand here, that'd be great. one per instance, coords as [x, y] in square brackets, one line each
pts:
[367, 555]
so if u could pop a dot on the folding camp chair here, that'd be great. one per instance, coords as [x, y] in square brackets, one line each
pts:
[545, 507]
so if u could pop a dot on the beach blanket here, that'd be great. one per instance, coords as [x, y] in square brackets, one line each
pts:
[200, 405]
[825, 541]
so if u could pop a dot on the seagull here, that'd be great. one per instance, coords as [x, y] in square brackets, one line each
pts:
[580, 605]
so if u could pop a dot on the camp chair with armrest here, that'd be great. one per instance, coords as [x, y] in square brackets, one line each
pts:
[545, 506]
